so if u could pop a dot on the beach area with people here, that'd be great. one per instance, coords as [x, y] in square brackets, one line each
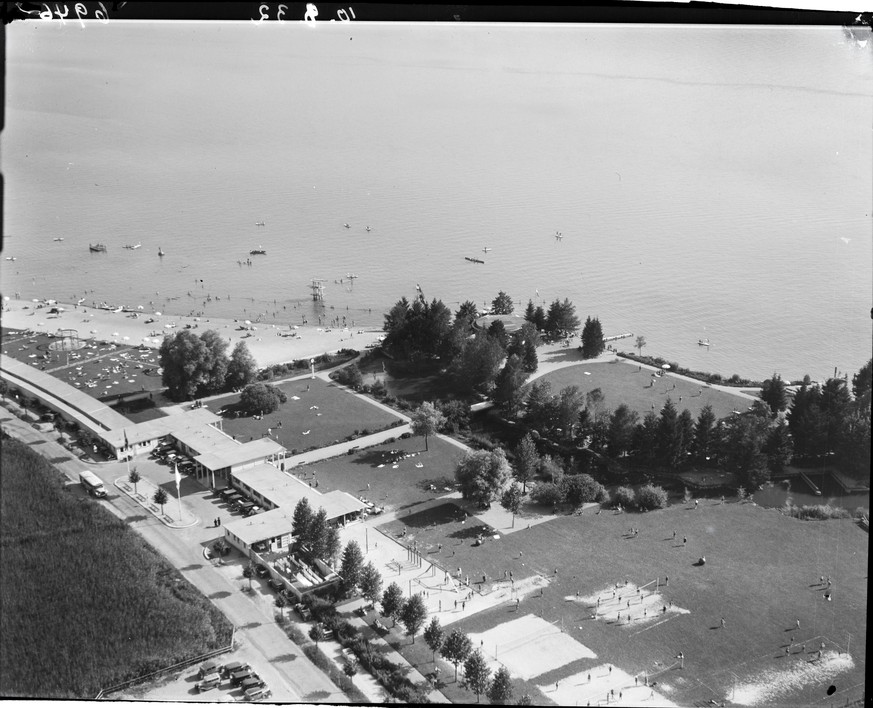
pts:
[268, 343]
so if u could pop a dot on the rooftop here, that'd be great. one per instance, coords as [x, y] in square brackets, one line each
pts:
[239, 454]
[261, 527]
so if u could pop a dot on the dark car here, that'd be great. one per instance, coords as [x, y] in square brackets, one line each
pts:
[261, 570]
[254, 681]
[229, 669]
[276, 584]
[238, 677]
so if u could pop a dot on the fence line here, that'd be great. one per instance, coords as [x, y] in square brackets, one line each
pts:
[181, 665]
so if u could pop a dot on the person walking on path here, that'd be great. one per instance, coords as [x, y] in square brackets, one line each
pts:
[674, 534]
[722, 622]
[684, 541]
[797, 623]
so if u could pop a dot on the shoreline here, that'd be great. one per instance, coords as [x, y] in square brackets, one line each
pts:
[269, 344]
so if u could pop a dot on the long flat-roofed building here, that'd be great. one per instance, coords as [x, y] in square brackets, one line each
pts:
[272, 488]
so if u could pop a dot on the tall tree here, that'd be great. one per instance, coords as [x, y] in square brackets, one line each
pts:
[502, 304]
[704, 434]
[685, 424]
[862, 382]
[561, 319]
[352, 564]
[527, 461]
[530, 312]
[640, 343]
[742, 448]
[317, 534]
[540, 319]
[621, 430]
[478, 363]
[434, 635]
[524, 343]
[160, 498]
[426, 420]
[511, 500]
[134, 478]
[413, 614]
[779, 448]
[477, 673]
[568, 405]
[500, 691]
[392, 602]
[241, 369]
[646, 438]
[456, 648]
[774, 393]
[332, 545]
[509, 386]
[184, 360]
[466, 313]
[301, 519]
[259, 398]
[592, 338]
[669, 450]
[371, 583]
[316, 634]
[216, 362]
[542, 408]
[498, 330]
[482, 474]
[456, 413]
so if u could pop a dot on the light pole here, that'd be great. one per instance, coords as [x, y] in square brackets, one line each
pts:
[312, 368]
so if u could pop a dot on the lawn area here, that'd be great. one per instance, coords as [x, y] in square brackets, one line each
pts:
[396, 489]
[86, 603]
[761, 575]
[621, 382]
[330, 414]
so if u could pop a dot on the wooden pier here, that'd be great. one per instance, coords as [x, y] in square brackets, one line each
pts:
[618, 336]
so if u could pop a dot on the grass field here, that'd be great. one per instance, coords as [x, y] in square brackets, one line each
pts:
[623, 383]
[398, 488]
[761, 575]
[327, 411]
[86, 603]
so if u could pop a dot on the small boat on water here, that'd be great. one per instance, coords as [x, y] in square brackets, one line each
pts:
[10, 258]
[486, 249]
[703, 342]
[133, 248]
[60, 238]
[260, 223]
[347, 225]
[368, 228]
[160, 251]
[473, 260]
[259, 251]
[97, 247]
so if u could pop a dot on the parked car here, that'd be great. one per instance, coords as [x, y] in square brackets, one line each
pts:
[210, 667]
[261, 570]
[208, 682]
[303, 611]
[238, 677]
[252, 511]
[276, 584]
[257, 694]
[229, 669]
[254, 682]
[245, 507]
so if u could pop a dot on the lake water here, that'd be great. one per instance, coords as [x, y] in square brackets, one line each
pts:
[708, 182]
[801, 495]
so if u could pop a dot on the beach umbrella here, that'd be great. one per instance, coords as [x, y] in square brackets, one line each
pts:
[139, 307]
[35, 300]
[158, 313]
[665, 366]
[125, 338]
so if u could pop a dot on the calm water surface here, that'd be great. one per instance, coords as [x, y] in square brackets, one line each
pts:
[708, 182]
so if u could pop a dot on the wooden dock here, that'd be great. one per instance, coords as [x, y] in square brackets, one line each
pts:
[618, 336]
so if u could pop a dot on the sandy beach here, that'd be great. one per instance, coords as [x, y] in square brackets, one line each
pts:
[269, 343]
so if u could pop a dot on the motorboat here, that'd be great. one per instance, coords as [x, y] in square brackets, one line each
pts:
[59, 238]
[368, 228]
[486, 249]
[97, 247]
[160, 251]
[347, 225]
[473, 260]
[134, 247]
[259, 251]
[260, 223]
[703, 342]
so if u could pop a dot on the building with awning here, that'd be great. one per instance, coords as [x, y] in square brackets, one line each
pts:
[272, 488]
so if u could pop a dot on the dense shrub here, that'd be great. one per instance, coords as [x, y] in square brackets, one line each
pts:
[546, 493]
[349, 376]
[651, 496]
[625, 496]
[818, 512]
[580, 488]
[481, 442]
[604, 498]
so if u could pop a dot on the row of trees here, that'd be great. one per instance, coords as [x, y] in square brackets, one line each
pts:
[199, 366]
[315, 537]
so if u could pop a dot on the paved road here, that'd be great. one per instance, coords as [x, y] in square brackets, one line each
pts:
[281, 663]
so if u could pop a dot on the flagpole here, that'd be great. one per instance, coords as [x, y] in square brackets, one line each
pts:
[178, 489]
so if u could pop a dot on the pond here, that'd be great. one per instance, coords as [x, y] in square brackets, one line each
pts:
[801, 494]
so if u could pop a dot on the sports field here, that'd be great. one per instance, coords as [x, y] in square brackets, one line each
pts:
[761, 576]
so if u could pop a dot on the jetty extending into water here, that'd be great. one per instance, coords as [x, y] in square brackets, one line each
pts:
[618, 336]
